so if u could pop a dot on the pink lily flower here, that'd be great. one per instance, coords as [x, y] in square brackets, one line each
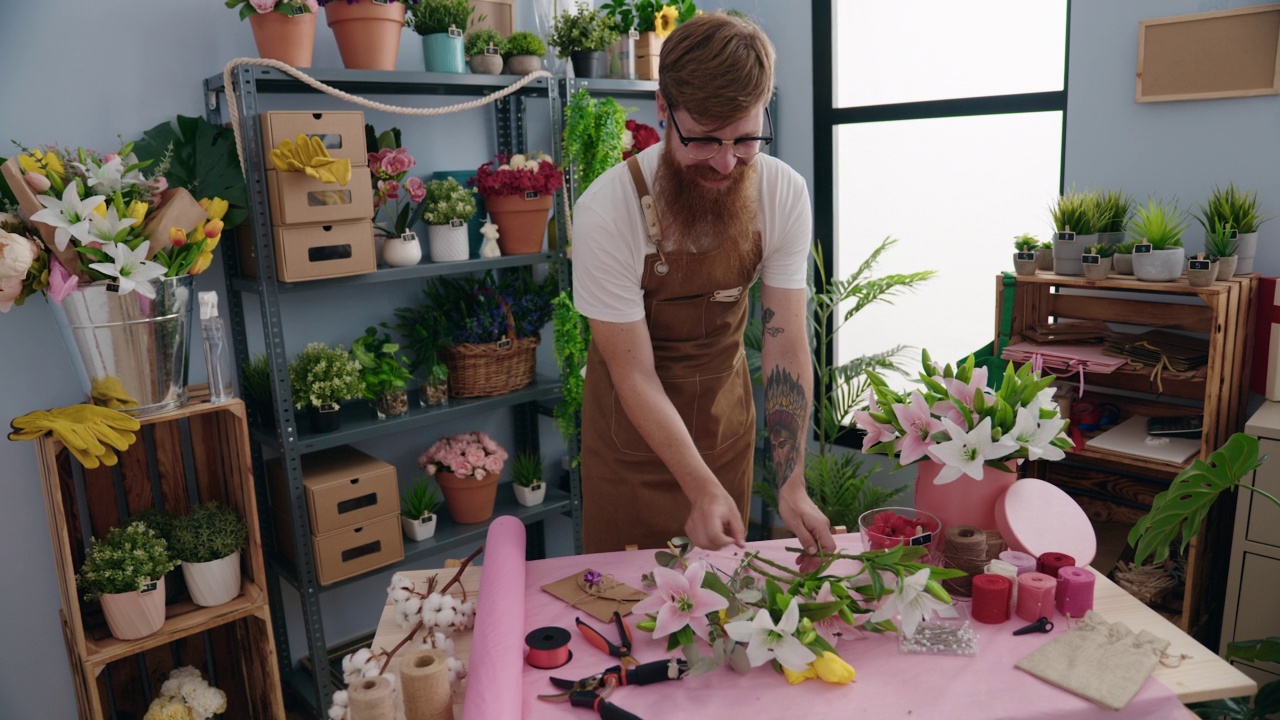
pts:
[681, 600]
[918, 425]
[833, 628]
[876, 432]
[61, 282]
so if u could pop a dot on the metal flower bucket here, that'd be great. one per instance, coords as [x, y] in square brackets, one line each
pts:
[129, 351]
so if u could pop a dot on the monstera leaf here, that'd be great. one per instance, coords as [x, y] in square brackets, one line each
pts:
[204, 161]
[1181, 509]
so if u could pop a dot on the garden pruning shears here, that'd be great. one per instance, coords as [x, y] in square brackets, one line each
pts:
[620, 650]
[591, 692]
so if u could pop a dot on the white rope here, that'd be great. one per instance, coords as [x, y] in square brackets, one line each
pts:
[233, 110]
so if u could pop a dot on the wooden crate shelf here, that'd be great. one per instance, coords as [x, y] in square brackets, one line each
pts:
[196, 454]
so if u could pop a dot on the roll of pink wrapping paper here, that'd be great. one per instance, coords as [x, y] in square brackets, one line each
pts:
[497, 642]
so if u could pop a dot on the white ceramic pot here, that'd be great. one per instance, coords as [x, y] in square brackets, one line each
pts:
[136, 614]
[1247, 248]
[448, 243]
[402, 251]
[530, 496]
[1227, 266]
[1160, 265]
[420, 529]
[213, 583]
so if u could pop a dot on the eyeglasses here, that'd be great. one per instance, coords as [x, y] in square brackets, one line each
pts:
[705, 148]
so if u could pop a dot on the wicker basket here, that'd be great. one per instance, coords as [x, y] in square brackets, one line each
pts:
[491, 369]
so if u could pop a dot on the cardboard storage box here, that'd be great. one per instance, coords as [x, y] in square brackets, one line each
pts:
[342, 132]
[344, 488]
[300, 200]
[315, 252]
[355, 550]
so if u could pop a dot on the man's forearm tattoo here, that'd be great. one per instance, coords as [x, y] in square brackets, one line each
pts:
[766, 318]
[786, 408]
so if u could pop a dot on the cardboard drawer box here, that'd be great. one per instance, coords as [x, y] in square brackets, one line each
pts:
[315, 252]
[300, 200]
[342, 132]
[344, 488]
[355, 550]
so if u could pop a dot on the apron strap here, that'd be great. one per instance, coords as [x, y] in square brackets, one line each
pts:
[646, 201]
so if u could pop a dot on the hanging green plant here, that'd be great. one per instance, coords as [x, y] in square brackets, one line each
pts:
[592, 137]
[572, 336]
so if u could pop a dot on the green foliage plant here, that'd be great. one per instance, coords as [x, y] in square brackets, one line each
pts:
[592, 140]
[1122, 248]
[1159, 223]
[526, 470]
[420, 500]
[479, 40]
[255, 375]
[583, 30]
[1231, 206]
[430, 17]
[523, 43]
[1047, 245]
[572, 337]
[382, 368]
[158, 520]
[1026, 242]
[446, 201]
[621, 13]
[202, 158]
[1076, 211]
[1221, 241]
[209, 532]
[425, 333]
[321, 375]
[1179, 512]
[1101, 250]
[1112, 210]
[125, 560]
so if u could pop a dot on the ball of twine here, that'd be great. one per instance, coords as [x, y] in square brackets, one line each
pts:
[965, 550]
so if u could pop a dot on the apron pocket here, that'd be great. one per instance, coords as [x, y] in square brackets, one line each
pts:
[715, 411]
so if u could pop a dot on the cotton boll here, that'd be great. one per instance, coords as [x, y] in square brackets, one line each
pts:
[434, 602]
[341, 698]
[337, 713]
[399, 595]
[413, 605]
[445, 617]
[370, 671]
[362, 657]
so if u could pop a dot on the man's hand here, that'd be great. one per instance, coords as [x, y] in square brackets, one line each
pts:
[715, 521]
[803, 518]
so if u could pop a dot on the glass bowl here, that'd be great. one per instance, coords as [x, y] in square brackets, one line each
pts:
[888, 527]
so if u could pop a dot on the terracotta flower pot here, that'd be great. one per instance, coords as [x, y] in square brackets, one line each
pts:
[136, 614]
[287, 39]
[368, 33]
[963, 501]
[521, 222]
[469, 500]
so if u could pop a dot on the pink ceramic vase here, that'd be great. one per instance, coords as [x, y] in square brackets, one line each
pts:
[963, 501]
[136, 614]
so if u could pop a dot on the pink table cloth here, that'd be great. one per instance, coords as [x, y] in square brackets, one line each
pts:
[889, 684]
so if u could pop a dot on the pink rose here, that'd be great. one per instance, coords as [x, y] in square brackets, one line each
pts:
[493, 464]
[475, 455]
[313, 6]
[462, 469]
[480, 473]
[390, 189]
[16, 255]
[417, 191]
[263, 6]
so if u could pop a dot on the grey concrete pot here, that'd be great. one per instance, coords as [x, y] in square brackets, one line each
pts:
[1122, 263]
[1160, 265]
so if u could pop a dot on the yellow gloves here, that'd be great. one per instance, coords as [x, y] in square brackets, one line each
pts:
[89, 432]
[109, 392]
[309, 155]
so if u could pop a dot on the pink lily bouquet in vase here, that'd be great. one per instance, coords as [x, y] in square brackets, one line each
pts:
[965, 437]
[115, 249]
[762, 612]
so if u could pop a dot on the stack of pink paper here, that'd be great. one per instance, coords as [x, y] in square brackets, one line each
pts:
[1063, 358]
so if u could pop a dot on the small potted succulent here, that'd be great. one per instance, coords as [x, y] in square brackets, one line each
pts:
[208, 541]
[518, 191]
[1237, 209]
[418, 507]
[255, 377]
[522, 53]
[384, 372]
[1096, 261]
[283, 30]
[1075, 224]
[1024, 259]
[447, 208]
[426, 333]
[125, 572]
[526, 479]
[1222, 243]
[583, 34]
[1202, 271]
[1122, 258]
[484, 51]
[441, 24]
[1156, 229]
[1044, 256]
[322, 377]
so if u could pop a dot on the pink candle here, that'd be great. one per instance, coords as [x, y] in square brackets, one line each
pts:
[1036, 593]
[1075, 591]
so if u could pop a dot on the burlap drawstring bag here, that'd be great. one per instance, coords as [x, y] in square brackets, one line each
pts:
[1097, 660]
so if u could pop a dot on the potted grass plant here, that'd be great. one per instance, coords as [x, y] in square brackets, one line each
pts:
[384, 372]
[1096, 261]
[1024, 257]
[1122, 258]
[447, 208]
[208, 541]
[1156, 229]
[255, 378]
[526, 479]
[1112, 211]
[441, 23]
[418, 507]
[1222, 243]
[522, 53]
[125, 572]
[583, 34]
[322, 377]
[1237, 209]
[484, 51]
[1074, 217]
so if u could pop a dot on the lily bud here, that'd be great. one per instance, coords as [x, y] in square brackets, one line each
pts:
[647, 625]
[37, 182]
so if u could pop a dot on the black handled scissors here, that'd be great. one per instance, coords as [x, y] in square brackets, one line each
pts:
[591, 692]
[621, 649]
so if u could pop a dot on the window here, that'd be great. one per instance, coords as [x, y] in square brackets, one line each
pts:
[944, 125]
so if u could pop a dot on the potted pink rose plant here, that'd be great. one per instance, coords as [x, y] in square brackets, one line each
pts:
[283, 30]
[467, 467]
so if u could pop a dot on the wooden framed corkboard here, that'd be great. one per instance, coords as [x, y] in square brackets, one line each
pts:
[1231, 53]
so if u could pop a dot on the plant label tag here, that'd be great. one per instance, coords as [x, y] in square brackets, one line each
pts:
[1142, 249]
[428, 518]
[1090, 259]
[148, 586]
[634, 34]
[294, 10]
[454, 32]
[1067, 236]
[532, 195]
[113, 287]
[924, 539]
[1198, 264]
[504, 343]
[491, 50]
[1026, 256]
[456, 223]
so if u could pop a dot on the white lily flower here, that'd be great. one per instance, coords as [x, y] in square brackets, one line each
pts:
[965, 452]
[912, 602]
[106, 229]
[105, 178]
[766, 641]
[1036, 435]
[69, 216]
[131, 268]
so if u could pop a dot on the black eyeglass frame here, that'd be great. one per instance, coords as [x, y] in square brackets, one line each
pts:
[766, 139]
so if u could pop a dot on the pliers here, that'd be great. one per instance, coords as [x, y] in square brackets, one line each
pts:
[621, 650]
[590, 692]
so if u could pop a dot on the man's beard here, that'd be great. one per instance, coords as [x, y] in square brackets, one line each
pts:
[697, 218]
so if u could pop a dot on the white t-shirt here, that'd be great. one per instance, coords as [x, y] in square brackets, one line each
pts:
[610, 241]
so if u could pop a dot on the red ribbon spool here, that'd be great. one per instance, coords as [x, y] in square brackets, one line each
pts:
[548, 647]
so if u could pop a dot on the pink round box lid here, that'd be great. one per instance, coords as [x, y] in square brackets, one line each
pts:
[1035, 518]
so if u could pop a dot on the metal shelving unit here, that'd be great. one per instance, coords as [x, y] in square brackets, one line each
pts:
[291, 441]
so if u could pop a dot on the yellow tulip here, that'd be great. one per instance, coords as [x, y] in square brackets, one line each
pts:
[796, 678]
[213, 228]
[177, 236]
[41, 162]
[101, 210]
[833, 669]
[217, 207]
[138, 211]
[664, 21]
[202, 263]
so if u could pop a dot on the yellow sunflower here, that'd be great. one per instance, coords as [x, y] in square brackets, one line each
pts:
[664, 21]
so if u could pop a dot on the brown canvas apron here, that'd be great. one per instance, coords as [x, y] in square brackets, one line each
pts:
[696, 311]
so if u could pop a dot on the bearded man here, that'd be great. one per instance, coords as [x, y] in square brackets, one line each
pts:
[666, 246]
